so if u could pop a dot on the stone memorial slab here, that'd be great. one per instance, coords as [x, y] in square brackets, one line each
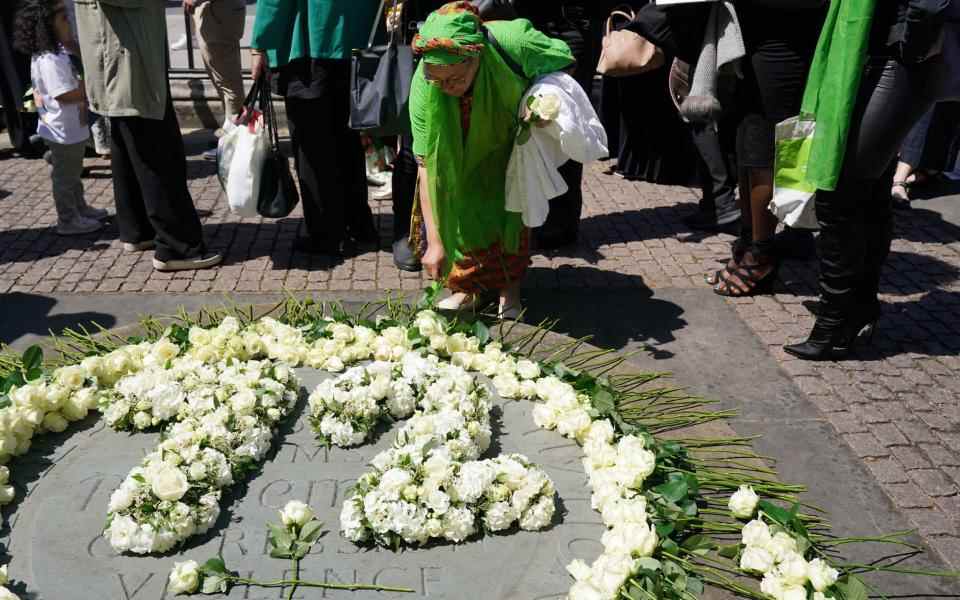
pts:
[57, 549]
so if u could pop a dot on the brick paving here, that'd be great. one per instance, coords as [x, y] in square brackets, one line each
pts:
[896, 405]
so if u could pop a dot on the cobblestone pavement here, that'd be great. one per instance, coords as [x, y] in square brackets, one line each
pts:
[896, 405]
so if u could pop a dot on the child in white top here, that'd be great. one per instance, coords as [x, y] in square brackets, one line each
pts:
[42, 30]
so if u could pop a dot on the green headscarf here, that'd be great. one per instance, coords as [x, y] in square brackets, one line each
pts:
[450, 34]
[467, 174]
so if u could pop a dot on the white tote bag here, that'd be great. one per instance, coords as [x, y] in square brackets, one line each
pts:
[793, 198]
[240, 157]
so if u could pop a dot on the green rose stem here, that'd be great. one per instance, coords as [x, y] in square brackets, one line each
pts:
[317, 584]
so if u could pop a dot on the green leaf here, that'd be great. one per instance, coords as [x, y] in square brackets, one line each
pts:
[850, 587]
[32, 358]
[214, 566]
[311, 531]
[730, 551]
[280, 537]
[648, 564]
[300, 549]
[665, 528]
[673, 491]
[530, 100]
[278, 553]
[604, 402]
[35, 373]
[215, 584]
[481, 332]
[670, 546]
[699, 544]
[524, 136]
[778, 514]
[695, 585]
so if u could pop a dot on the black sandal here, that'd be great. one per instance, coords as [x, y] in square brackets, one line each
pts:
[746, 280]
[739, 248]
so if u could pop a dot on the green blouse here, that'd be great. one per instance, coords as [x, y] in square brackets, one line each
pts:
[292, 29]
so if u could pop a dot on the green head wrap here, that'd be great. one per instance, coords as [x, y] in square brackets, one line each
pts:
[450, 34]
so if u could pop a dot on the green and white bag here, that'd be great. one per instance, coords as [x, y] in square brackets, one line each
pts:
[810, 147]
[793, 195]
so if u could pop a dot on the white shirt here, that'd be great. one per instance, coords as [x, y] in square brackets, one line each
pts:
[54, 75]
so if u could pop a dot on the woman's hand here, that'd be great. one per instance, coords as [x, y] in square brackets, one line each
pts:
[259, 66]
[433, 260]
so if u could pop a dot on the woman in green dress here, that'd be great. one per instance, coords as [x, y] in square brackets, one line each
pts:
[463, 110]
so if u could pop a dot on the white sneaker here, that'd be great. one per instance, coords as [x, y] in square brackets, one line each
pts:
[79, 226]
[94, 213]
[139, 246]
[204, 261]
[181, 43]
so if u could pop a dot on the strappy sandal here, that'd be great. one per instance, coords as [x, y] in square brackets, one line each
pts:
[739, 248]
[747, 280]
[900, 200]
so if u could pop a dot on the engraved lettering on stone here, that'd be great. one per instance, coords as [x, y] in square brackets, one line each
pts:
[130, 595]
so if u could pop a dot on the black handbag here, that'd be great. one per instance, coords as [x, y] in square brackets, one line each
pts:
[380, 78]
[496, 10]
[277, 196]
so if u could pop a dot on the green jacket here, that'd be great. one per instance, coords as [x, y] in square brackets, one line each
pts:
[124, 48]
[292, 29]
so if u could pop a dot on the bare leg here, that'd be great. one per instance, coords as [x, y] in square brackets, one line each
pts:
[756, 267]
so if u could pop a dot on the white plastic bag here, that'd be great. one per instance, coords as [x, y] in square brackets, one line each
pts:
[793, 198]
[240, 157]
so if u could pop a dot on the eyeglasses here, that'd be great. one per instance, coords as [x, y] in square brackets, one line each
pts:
[448, 82]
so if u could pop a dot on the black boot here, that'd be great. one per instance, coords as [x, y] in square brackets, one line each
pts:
[830, 339]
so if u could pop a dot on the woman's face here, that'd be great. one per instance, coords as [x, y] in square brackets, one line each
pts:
[61, 24]
[456, 79]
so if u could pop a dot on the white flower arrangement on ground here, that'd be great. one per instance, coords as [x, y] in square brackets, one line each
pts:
[345, 410]
[430, 485]
[5, 593]
[222, 428]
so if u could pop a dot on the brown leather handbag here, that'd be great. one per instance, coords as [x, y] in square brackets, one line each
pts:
[626, 53]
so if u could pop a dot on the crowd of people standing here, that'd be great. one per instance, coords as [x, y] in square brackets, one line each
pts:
[475, 60]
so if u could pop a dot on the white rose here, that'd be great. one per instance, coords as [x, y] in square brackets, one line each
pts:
[821, 596]
[793, 592]
[793, 570]
[6, 594]
[197, 471]
[821, 575]
[4, 578]
[771, 585]
[55, 422]
[578, 569]
[185, 577]
[168, 483]
[756, 533]
[296, 513]
[121, 498]
[121, 532]
[4, 476]
[547, 107]
[142, 420]
[756, 560]
[743, 503]
[507, 386]
[527, 369]
[165, 350]
[7, 494]
[71, 377]
[584, 590]
[782, 545]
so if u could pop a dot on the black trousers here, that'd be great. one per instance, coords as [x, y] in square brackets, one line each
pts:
[716, 171]
[150, 185]
[329, 157]
[404, 187]
[856, 220]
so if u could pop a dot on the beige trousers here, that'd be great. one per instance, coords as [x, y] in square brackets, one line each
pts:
[220, 26]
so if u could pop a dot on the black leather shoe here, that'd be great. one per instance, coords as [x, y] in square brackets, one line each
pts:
[404, 257]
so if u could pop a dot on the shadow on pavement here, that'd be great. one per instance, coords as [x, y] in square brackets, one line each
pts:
[26, 314]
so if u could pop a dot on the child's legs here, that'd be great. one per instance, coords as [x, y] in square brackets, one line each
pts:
[67, 184]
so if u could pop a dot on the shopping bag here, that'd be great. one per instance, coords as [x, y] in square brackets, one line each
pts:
[241, 154]
[380, 78]
[793, 196]
[277, 196]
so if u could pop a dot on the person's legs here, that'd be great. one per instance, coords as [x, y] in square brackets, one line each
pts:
[351, 161]
[404, 195]
[153, 149]
[65, 175]
[563, 220]
[718, 205]
[220, 25]
[132, 219]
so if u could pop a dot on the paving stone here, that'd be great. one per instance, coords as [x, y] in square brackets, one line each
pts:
[934, 482]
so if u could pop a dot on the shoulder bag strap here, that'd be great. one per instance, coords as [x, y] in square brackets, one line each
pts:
[376, 24]
[514, 66]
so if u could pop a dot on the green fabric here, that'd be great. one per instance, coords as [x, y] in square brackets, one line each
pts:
[467, 179]
[458, 28]
[292, 29]
[833, 85]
